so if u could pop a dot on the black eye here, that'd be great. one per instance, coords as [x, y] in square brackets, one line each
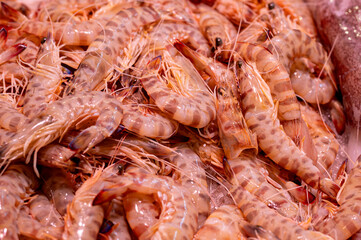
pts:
[120, 169]
[221, 91]
[239, 63]
[43, 40]
[219, 42]
[271, 5]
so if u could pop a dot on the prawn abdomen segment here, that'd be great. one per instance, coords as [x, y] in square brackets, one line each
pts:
[195, 112]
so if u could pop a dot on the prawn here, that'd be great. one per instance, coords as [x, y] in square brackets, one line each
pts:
[15, 184]
[44, 85]
[178, 217]
[83, 220]
[58, 117]
[224, 223]
[244, 171]
[295, 44]
[197, 110]
[260, 116]
[347, 220]
[103, 51]
[233, 131]
[257, 213]
[279, 83]
[191, 174]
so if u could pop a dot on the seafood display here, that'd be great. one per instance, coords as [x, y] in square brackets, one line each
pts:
[187, 119]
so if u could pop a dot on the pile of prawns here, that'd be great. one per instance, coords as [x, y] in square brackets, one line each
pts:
[169, 119]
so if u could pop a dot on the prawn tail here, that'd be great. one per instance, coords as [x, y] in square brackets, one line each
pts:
[3, 37]
[105, 195]
[154, 64]
[12, 14]
[329, 187]
[196, 59]
[89, 138]
[11, 52]
[299, 193]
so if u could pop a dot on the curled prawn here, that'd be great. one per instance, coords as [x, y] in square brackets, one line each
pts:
[148, 122]
[295, 44]
[178, 218]
[197, 110]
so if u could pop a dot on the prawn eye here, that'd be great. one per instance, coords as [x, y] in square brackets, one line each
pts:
[120, 169]
[271, 5]
[221, 91]
[219, 42]
[43, 40]
[132, 82]
[239, 63]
